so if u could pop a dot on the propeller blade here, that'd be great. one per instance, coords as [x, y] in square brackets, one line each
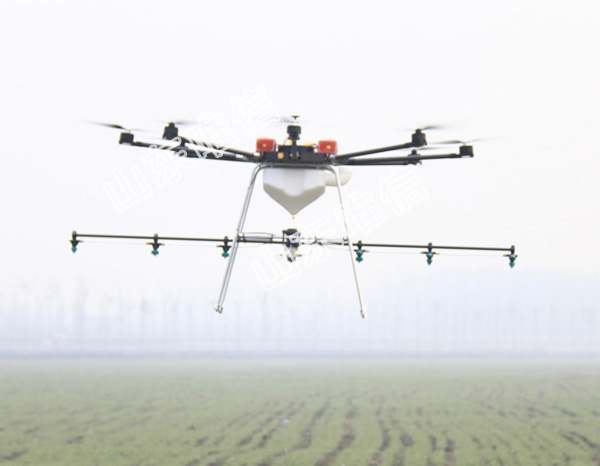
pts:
[419, 149]
[432, 127]
[294, 118]
[425, 128]
[184, 122]
[289, 119]
[458, 141]
[112, 125]
[121, 128]
[181, 122]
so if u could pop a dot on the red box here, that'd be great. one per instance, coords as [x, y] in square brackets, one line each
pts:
[329, 146]
[266, 145]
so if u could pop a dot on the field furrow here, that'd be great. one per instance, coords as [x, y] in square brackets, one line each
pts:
[302, 412]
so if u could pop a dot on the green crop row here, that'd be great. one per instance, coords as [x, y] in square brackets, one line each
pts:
[301, 412]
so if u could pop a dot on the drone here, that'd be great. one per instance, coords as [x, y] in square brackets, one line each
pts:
[295, 176]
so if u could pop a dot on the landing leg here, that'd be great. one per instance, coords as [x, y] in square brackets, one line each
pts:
[235, 242]
[363, 311]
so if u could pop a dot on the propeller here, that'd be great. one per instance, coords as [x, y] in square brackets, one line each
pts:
[113, 126]
[181, 122]
[425, 128]
[289, 119]
[294, 118]
[177, 122]
[457, 141]
[427, 148]
[148, 133]
[432, 127]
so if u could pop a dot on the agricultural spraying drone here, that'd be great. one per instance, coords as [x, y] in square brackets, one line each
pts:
[295, 175]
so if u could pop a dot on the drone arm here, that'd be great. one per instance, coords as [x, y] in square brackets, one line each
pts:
[405, 160]
[213, 146]
[197, 152]
[350, 155]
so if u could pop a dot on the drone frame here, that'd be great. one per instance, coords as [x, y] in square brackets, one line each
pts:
[294, 157]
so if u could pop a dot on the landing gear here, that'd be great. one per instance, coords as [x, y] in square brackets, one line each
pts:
[239, 234]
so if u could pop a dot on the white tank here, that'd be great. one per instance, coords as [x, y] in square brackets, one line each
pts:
[295, 188]
[344, 172]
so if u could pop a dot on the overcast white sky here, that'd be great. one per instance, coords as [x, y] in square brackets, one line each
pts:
[525, 74]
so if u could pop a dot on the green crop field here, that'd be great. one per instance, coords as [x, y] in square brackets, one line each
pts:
[299, 412]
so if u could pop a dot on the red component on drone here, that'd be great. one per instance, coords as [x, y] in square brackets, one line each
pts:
[266, 145]
[328, 146]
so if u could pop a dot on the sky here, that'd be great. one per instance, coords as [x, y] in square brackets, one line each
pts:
[522, 74]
